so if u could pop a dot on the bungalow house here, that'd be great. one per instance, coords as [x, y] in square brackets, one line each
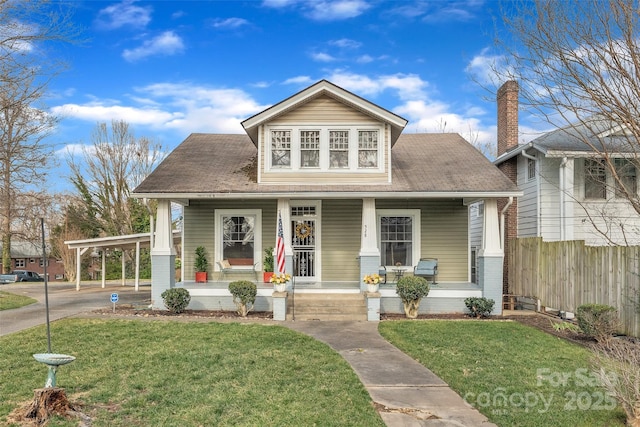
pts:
[353, 194]
[568, 192]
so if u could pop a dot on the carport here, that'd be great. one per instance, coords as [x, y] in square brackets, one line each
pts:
[128, 242]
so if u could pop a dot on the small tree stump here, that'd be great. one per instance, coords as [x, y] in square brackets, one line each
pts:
[47, 402]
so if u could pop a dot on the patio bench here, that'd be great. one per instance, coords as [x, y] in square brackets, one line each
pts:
[226, 268]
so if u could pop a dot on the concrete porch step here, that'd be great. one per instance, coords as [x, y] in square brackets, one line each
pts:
[327, 307]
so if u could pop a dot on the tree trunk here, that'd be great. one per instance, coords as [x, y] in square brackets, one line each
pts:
[47, 402]
[411, 308]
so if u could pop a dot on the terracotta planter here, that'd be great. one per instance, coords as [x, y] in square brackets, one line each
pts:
[266, 276]
[201, 277]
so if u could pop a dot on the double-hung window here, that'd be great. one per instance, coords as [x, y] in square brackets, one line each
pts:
[399, 237]
[281, 148]
[368, 148]
[339, 149]
[595, 179]
[238, 236]
[309, 149]
[627, 176]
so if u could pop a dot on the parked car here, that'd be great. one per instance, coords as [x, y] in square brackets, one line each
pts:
[20, 276]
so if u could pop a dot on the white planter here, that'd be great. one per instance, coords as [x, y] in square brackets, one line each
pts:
[279, 287]
[372, 287]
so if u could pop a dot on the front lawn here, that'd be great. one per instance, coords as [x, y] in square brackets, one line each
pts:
[134, 373]
[514, 374]
[9, 301]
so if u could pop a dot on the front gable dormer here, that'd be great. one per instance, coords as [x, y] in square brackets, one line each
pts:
[324, 135]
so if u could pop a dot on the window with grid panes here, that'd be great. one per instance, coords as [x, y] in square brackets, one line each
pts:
[281, 148]
[368, 149]
[396, 240]
[339, 149]
[309, 149]
[595, 179]
[238, 233]
[627, 173]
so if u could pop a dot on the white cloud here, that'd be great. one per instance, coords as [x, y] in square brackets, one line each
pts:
[408, 86]
[345, 43]
[364, 59]
[229, 23]
[298, 80]
[104, 112]
[336, 10]
[483, 66]
[124, 14]
[322, 57]
[166, 44]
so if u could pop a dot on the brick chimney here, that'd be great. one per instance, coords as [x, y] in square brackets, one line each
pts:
[507, 99]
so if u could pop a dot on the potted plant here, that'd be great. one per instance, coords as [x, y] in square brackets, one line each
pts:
[201, 264]
[280, 281]
[268, 265]
[372, 281]
[411, 290]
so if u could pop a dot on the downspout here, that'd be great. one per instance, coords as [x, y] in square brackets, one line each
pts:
[502, 213]
[538, 207]
[563, 183]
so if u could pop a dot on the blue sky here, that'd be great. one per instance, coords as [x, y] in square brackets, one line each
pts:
[171, 68]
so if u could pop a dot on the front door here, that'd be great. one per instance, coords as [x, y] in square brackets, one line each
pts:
[304, 222]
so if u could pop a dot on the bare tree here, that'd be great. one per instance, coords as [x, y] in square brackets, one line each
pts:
[578, 65]
[108, 169]
[26, 31]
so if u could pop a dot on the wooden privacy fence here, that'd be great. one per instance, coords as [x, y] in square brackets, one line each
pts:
[565, 275]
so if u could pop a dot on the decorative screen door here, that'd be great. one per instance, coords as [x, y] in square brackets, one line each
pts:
[303, 241]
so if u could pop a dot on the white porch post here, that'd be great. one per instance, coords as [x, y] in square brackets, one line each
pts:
[78, 268]
[491, 257]
[284, 209]
[104, 268]
[137, 278]
[163, 255]
[123, 268]
[369, 252]
[566, 199]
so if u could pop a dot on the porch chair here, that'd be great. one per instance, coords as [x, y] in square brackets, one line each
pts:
[427, 267]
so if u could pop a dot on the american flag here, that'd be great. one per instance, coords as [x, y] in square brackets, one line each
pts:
[280, 246]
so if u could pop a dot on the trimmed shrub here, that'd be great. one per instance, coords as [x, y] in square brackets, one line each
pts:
[176, 299]
[411, 290]
[598, 321]
[244, 295]
[479, 307]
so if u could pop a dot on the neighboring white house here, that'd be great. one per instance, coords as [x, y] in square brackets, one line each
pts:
[569, 194]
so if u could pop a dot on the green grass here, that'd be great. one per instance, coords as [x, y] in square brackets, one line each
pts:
[134, 373]
[513, 374]
[9, 301]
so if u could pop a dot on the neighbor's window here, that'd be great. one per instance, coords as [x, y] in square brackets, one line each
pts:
[627, 173]
[238, 234]
[595, 179]
[281, 148]
[42, 263]
[20, 263]
[396, 240]
[368, 148]
[531, 169]
[309, 149]
[339, 149]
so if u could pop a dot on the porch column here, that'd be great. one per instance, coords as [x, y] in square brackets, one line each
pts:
[78, 267]
[566, 198]
[285, 212]
[104, 267]
[137, 279]
[163, 255]
[369, 252]
[491, 257]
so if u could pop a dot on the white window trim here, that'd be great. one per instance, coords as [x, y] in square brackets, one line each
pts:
[415, 235]
[257, 235]
[295, 166]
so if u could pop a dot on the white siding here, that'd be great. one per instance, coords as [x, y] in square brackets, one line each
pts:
[550, 199]
[528, 207]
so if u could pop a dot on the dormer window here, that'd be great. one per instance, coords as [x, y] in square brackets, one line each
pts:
[281, 148]
[309, 149]
[368, 149]
[325, 148]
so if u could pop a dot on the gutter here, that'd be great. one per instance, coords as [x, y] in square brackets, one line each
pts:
[502, 213]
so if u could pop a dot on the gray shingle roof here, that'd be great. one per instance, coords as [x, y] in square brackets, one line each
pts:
[222, 164]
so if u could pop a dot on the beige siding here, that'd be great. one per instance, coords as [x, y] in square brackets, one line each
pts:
[341, 228]
[325, 109]
[444, 234]
[199, 228]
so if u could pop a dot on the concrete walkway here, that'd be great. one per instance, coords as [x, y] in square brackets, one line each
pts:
[406, 393]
